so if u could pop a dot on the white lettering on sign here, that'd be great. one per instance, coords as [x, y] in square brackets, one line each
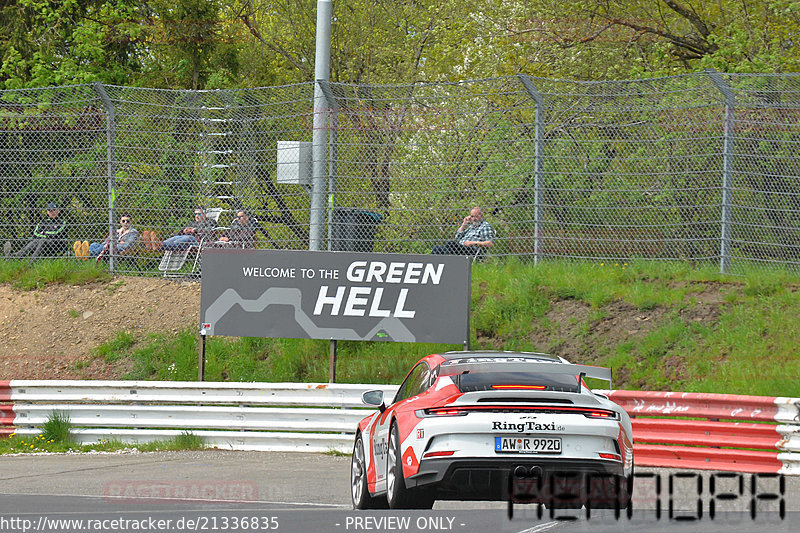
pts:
[395, 272]
[412, 273]
[323, 299]
[354, 299]
[268, 272]
[375, 272]
[374, 309]
[358, 300]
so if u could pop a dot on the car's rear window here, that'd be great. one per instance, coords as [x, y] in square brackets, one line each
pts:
[496, 381]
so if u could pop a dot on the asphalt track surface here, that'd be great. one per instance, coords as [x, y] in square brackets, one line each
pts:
[253, 491]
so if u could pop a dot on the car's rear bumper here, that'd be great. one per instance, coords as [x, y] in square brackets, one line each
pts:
[490, 478]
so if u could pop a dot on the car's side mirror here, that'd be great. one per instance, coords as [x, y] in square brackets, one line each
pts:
[374, 397]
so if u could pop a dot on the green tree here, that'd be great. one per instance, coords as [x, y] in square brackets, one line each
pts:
[73, 41]
[684, 35]
[185, 37]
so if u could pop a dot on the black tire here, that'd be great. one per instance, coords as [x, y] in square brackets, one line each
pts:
[359, 491]
[397, 494]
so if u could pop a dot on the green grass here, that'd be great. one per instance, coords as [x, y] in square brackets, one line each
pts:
[56, 428]
[55, 437]
[660, 326]
[16, 444]
[111, 350]
[24, 276]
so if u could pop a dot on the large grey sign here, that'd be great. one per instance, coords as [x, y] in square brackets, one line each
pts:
[335, 295]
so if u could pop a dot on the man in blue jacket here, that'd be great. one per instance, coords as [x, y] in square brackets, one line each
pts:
[49, 236]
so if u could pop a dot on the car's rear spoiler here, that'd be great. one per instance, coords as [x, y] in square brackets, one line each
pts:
[451, 368]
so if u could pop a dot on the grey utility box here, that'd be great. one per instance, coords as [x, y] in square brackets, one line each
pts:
[294, 162]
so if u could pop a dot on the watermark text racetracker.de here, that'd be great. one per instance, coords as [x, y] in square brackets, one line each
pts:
[45, 524]
[123, 491]
[678, 496]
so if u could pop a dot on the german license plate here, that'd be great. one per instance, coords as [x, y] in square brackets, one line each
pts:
[527, 445]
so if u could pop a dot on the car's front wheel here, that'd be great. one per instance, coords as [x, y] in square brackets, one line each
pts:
[358, 480]
[397, 494]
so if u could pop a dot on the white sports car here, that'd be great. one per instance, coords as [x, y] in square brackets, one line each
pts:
[494, 426]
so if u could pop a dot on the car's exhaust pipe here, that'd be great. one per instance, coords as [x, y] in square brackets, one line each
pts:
[523, 471]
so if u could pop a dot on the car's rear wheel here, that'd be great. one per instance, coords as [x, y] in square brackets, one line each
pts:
[358, 480]
[397, 494]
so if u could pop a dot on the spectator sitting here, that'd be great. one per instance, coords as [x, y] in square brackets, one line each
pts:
[473, 232]
[127, 236]
[49, 237]
[241, 234]
[191, 235]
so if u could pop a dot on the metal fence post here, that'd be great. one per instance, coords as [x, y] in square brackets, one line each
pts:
[333, 139]
[111, 170]
[727, 168]
[538, 165]
[319, 138]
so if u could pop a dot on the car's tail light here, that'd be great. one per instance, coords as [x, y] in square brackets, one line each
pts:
[440, 411]
[520, 387]
[612, 456]
[463, 410]
[443, 453]
[600, 413]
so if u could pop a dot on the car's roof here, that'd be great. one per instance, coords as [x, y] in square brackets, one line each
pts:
[492, 354]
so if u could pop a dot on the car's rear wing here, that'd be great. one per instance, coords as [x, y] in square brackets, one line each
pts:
[521, 364]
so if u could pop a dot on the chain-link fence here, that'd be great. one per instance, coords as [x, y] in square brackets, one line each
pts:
[701, 167]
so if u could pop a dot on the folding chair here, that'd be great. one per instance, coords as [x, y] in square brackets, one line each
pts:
[173, 260]
[480, 254]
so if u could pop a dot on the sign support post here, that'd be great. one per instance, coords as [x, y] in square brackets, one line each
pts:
[201, 359]
[332, 366]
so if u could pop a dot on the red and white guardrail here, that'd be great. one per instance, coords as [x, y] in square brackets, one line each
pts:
[7, 415]
[724, 432]
[727, 432]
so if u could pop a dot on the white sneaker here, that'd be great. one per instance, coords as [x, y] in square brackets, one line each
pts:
[7, 248]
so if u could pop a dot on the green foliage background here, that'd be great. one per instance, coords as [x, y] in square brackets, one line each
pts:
[208, 44]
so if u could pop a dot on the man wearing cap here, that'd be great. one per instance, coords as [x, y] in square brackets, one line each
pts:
[49, 236]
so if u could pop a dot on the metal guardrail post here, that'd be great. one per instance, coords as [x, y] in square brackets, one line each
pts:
[538, 165]
[111, 170]
[727, 168]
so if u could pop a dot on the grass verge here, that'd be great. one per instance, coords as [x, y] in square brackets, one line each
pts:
[25, 276]
[16, 444]
[55, 438]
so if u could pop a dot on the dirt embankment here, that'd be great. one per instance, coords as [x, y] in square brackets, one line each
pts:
[50, 333]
